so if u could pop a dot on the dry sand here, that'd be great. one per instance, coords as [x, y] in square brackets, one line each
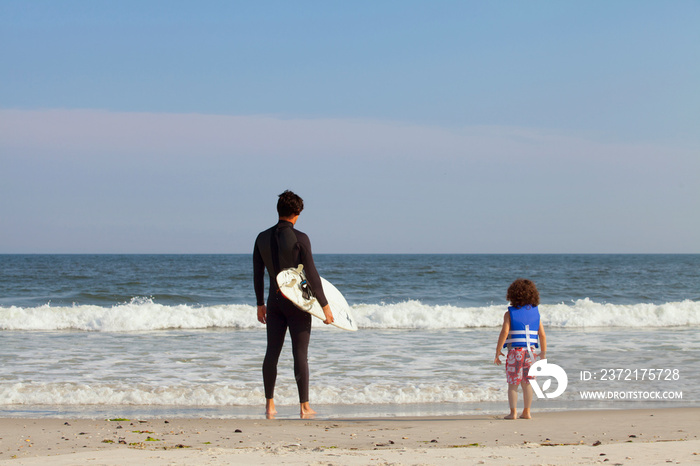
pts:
[612, 437]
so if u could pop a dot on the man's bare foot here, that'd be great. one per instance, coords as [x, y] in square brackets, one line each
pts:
[270, 410]
[306, 412]
[510, 416]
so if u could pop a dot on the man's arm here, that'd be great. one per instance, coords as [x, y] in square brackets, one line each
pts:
[259, 284]
[258, 276]
[312, 275]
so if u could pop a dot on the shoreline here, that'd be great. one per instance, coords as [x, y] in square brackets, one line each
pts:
[630, 436]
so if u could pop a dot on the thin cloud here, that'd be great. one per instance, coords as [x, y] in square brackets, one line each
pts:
[71, 133]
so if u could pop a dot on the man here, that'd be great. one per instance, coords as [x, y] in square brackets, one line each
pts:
[278, 248]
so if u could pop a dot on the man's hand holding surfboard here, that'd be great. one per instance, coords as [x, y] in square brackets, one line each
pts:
[329, 315]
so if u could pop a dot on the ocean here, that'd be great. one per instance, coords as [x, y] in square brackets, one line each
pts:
[177, 335]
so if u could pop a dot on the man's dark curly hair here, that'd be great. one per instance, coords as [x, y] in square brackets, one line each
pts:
[522, 292]
[289, 204]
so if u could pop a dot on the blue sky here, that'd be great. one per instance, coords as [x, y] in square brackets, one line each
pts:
[407, 127]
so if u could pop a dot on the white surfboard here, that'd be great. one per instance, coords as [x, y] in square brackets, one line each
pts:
[294, 287]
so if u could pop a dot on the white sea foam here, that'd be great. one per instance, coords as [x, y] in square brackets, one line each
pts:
[219, 394]
[142, 314]
[586, 313]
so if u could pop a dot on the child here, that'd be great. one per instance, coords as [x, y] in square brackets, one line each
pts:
[519, 334]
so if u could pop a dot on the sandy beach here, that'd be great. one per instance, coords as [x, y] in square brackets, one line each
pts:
[658, 436]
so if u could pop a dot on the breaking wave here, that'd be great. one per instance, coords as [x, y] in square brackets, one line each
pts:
[143, 314]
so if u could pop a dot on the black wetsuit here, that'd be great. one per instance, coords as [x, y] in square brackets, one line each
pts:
[276, 249]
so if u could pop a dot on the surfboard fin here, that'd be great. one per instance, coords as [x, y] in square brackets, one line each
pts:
[306, 290]
[299, 283]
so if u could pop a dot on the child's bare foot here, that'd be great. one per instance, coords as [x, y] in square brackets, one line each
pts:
[510, 416]
[526, 415]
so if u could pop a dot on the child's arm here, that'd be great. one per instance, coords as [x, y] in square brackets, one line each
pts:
[542, 341]
[502, 338]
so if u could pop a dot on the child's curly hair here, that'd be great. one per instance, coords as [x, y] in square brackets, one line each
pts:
[522, 292]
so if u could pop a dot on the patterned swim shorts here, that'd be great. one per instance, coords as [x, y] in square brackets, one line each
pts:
[518, 364]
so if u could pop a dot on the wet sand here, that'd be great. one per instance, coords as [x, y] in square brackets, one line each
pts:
[653, 436]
